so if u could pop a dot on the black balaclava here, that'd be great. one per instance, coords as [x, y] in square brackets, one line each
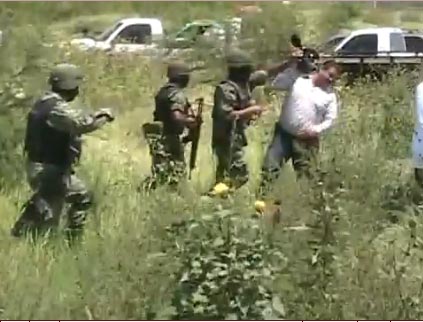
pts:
[181, 80]
[68, 95]
[240, 74]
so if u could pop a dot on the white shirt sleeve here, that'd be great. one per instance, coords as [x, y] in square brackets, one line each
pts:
[419, 105]
[329, 117]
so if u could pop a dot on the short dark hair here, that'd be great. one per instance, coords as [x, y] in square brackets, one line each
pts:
[331, 64]
[310, 53]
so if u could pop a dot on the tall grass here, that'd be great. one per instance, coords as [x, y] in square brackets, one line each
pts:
[361, 261]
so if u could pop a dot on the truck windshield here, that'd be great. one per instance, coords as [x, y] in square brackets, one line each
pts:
[106, 34]
[331, 44]
[397, 42]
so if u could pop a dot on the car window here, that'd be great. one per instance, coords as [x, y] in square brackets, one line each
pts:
[414, 44]
[136, 34]
[331, 44]
[397, 42]
[188, 32]
[106, 34]
[362, 44]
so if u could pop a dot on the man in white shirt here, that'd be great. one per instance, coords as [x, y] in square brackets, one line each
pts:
[309, 110]
[417, 142]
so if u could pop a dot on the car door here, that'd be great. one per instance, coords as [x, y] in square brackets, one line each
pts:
[134, 38]
[361, 45]
[414, 43]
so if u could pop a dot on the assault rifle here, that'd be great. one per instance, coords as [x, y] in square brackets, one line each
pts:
[194, 136]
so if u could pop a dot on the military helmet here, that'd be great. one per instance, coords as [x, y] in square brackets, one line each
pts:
[177, 69]
[259, 77]
[65, 77]
[238, 58]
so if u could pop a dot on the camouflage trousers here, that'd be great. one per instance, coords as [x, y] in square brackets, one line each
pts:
[53, 188]
[231, 166]
[168, 165]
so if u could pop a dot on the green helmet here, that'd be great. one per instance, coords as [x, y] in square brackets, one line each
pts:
[259, 77]
[65, 77]
[177, 69]
[238, 58]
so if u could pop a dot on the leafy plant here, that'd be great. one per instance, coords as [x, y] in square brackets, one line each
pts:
[227, 266]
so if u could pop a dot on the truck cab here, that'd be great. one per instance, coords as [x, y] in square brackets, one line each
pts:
[127, 35]
[372, 42]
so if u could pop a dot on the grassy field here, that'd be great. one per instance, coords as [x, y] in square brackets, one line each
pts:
[177, 255]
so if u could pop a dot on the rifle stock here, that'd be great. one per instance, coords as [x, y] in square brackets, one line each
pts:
[196, 137]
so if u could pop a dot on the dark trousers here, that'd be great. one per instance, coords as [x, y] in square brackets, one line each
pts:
[418, 175]
[231, 166]
[285, 147]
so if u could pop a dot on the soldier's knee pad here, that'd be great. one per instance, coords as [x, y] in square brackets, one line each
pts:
[82, 201]
[86, 201]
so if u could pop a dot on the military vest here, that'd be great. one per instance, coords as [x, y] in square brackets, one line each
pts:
[222, 128]
[163, 113]
[43, 143]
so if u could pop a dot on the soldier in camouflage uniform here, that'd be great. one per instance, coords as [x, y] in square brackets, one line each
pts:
[232, 110]
[52, 146]
[172, 116]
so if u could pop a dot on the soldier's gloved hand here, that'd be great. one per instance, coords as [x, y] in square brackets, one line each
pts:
[105, 112]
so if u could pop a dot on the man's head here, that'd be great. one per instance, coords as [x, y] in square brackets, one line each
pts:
[328, 74]
[305, 56]
[65, 80]
[306, 62]
[240, 66]
[178, 73]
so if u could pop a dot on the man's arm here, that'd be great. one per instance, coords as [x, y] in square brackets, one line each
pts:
[68, 119]
[178, 109]
[285, 80]
[329, 116]
[226, 100]
[277, 68]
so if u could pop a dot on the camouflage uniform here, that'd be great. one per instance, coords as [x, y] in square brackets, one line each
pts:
[164, 135]
[52, 146]
[228, 138]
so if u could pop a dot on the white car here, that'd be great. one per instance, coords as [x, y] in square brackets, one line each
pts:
[127, 35]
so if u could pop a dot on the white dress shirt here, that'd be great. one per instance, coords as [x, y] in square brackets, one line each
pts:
[417, 144]
[308, 107]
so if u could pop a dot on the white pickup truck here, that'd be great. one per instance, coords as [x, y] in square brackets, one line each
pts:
[373, 51]
[127, 35]
[374, 46]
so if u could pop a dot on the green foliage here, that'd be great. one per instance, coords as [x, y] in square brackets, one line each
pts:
[227, 266]
[275, 44]
[411, 16]
[337, 16]
[175, 255]
[380, 17]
